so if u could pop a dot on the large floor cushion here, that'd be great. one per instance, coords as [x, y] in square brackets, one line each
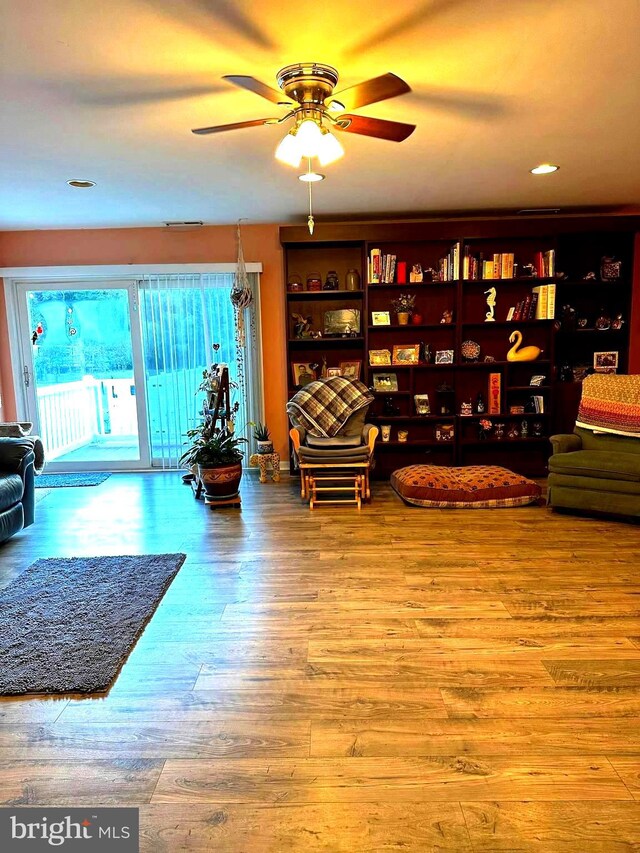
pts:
[470, 487]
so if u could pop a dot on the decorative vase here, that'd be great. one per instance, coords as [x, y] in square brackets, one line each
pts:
[221, 483]
[352, 279]
[403, 318]
[294, 283]
[314, 281]
[331, 282]
[403, 435]
[416, 319]
[264, 446]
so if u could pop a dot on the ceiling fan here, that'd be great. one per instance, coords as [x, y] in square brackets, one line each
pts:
[307, 92]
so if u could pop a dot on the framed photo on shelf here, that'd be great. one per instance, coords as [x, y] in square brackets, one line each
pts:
[385, 382]
[345, 321]
[350, 369]
[605, 362]
[379, 357]
[403, 354]
[444, 356]
[333, 371]
[303, 373]
[380, 318]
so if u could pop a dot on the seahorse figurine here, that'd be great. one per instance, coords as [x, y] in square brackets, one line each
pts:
[529, 353]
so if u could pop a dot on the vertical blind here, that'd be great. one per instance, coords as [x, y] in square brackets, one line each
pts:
[182, 316]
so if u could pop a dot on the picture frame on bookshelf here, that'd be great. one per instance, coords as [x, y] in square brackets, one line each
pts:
[380, 318]
[333, 371]
[350, 369]
[385, 382]
[303, 373]
[605, 362]
[345, 321]
[444, 356]
[406, 354]
[380, 357]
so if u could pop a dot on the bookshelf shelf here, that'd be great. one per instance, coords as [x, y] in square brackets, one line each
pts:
[573, 245]
[308, 295]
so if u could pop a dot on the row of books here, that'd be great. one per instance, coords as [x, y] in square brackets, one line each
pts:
[499, 265]
[386, 269]
[502, 265]
[538, 403]
[382, 268]
[540, 304]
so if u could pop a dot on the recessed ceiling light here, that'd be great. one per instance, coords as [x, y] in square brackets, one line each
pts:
[81, 184]
[311, 177]
[544, 169]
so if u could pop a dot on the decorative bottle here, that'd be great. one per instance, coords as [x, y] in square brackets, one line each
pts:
[352, 279]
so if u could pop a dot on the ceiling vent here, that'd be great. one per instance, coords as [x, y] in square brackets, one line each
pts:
[532, 211]
[176, 226]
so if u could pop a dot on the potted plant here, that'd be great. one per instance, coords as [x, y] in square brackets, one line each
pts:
[263, 438]
[218, 458]
[403, 306]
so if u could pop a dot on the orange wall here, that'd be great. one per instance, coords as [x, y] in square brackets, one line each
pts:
[211, 244]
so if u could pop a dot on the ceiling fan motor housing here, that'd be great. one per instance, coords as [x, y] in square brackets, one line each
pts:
[308, 83]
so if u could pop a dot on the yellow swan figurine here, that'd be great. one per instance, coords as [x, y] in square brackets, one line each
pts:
[529, 353]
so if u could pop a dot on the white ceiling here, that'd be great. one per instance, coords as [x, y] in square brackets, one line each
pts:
[109, 91]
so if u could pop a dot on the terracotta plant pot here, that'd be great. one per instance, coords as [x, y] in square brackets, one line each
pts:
[221, 483]
[403, 318]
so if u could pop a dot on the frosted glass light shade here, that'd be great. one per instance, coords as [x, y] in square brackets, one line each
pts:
[330, 149]
[289, 151]
[309, 138]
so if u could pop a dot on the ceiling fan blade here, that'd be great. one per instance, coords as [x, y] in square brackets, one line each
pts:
[370, 92]
[221, 128]
[394, 131]
[258, 88]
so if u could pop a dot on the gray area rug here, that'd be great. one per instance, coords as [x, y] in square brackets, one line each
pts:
[64, 481]
[68, 624]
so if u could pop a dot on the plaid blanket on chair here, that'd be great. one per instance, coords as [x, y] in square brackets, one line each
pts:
[610, 403]
[324, 406]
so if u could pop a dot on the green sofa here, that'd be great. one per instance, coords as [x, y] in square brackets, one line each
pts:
[595, 473]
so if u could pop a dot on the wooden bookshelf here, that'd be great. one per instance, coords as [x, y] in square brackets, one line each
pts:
[577, 244]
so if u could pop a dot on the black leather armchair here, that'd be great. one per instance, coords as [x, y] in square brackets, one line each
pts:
[17, 498]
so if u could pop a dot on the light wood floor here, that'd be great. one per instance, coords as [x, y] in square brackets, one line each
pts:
[394, 679]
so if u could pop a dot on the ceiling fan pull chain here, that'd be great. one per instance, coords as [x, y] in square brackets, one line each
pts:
[310, 220]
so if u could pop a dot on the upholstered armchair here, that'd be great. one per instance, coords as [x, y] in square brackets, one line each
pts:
[17, 498]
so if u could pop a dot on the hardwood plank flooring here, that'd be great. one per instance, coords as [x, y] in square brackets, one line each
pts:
[349, 681]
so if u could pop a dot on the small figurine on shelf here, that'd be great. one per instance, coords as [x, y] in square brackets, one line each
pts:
[590, 276]
[416, 274]
[537, 428]
[617, 323]
[481, 406]
[513, 433]
[603, 323]
[447, 317]
[466, 408]
[528, 271]
[484, 428]
[524, 429]
[498, 431]
[302, 326]
[431, 275]
[491, 305]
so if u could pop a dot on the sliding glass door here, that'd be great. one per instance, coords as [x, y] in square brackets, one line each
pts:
[83, 379]
[110, 370]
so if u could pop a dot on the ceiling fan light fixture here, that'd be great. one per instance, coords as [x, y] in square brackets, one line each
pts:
[311, 177]
[289, 150]
[309, 137]
[330, 149]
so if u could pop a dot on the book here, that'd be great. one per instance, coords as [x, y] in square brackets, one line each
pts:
[487, 269]
[497, 265]
[494, 394]
[517, 314]
[551, 302]
[375, 263]
[541, 307]
[402, 272]
[510, 313]
[524, 314]
[534, 305]
[549, 263]
[455, 271]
